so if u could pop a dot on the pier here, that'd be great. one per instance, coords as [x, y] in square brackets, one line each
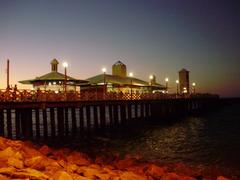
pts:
[56, 117]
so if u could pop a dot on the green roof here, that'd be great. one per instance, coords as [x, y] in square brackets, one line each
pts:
[52, 76]
[118, 80]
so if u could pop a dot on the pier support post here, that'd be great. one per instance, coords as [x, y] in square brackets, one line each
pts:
[95, 115]
[115, 115]
[123, 114]
[45, 125]
[60, 118]
[37, 124]
[52, 119]
[17, 123]
[102, 116]
[88, 117]
[74, 123]
[9, 123]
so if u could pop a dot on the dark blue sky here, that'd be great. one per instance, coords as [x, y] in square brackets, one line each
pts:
[151, 36]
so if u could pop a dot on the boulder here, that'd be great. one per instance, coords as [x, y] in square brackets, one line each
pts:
[6, 153]
[29, 152]
[37, 162]
[3, 163]
[78, 159]
[71, 168]
[4, 177]
[7, 170]
[29, 173]
[128, 175]
[155, 171]
[45, 150]
[62, 175]
[222, 178]
[18, 155]
[171, 176]
[125, 163]
[4, 143]
[61, 153]
[17, 163]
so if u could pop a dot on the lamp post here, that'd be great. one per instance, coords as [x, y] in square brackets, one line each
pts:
[184, 90]
[151, 83]
[193, 86]
[65, 65]
[177, 82]
[131, 75]
[166, 80]
[104, 70]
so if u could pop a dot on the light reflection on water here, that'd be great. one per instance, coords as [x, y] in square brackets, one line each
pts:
[210, 140]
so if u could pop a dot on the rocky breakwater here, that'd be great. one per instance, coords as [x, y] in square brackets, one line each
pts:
[24, 160]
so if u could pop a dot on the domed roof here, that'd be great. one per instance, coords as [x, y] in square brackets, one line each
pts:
[183, 70]
[119, 63]
[54, 61]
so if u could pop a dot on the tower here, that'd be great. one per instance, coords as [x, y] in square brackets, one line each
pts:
[152, 79]
[54, 65]
[184, 81]
[119, 69]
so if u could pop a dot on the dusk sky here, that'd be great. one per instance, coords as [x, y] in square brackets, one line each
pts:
[151, 37]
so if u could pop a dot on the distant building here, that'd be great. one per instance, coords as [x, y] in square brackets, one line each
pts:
[119, 69]
[184, 81]
[54, 80]
[118, 81]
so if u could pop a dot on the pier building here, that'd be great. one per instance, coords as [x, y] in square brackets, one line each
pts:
[54, 80]
[184, 81]
[120, 81]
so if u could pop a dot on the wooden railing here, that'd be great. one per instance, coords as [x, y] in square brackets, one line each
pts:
[10, 95]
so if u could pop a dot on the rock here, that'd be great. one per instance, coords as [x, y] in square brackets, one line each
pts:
[78, 159]
[6, 153]
[45, 150]
[29, 173]
[88, 172]
[222, 178]
[78, 177]
[71, 168]
[62, 175]
[30, 152]
[155, 171]
[125, 163]
[12, 161]
[4, 143]
[4, 177]
[171, 176]
[181, 168]
[36, 162]
[18, 155]
[7, 170]
[128, 175]
[3, 163]
[61, 153]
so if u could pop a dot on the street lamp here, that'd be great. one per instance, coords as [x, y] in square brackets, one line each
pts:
[131, 75]
[166, 80]
[65, 65]
[104, 70]
[151, 79]
[177, 82]
[184, 90]
[193, 85]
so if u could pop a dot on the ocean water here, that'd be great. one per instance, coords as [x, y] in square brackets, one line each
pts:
[211, 140]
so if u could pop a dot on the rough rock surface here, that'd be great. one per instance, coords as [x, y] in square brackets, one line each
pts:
[24, 160]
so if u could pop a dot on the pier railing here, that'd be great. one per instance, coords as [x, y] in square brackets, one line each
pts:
[40, 96]
[43, 115]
